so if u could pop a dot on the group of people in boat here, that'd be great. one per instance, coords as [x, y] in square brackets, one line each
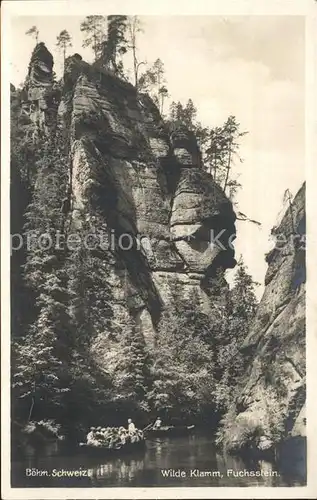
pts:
[114, 437]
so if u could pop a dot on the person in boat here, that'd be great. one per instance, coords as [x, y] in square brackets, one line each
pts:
[157, 424]
[110, 438]
[123, 435]
[111, 441]
[114, 441]
[104, 437]
[140, 434]
[134, 437]
[101, 435]
[90, 435]
[131, 426]
[92, 438]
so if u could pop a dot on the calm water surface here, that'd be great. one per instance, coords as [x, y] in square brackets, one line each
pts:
[145, 468]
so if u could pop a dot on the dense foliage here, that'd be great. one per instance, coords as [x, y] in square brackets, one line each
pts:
[196, 362]
[237, 318]
[41, 361]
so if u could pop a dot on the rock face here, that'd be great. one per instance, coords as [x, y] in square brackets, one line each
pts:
[40, 96]
[270, 405]
[139, 181]
[41, 67]
[148, 184]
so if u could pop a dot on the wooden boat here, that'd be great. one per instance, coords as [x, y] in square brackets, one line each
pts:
[170, 430]
[105, 451]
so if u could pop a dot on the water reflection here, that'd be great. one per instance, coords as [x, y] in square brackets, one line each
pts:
[119, 472]
[187, 455]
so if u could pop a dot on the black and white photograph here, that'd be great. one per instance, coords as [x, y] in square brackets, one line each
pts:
[157, 270]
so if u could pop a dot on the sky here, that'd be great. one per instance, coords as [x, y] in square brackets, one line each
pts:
[248, 66]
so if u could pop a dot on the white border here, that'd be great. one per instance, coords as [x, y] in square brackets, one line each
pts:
[307, 8]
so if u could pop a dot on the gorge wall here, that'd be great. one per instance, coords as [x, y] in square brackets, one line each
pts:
[270, 405]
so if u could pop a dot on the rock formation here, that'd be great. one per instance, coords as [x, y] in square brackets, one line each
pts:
[148, 182]
[270, 406]
[141, 182]
[40, 96]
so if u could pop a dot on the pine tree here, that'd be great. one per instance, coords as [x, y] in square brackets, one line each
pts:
[244, 301]
[221, 153]
[154, 82]
[187, 115]
[131, 373]
[94, 29]
[115, 44]
[239, 314]
[88, 270]
[90, 312]
[64, 41]
[133, 28]
[162, 95]
[289, 198]
[215, 151]
[33, 31]
[184, 114]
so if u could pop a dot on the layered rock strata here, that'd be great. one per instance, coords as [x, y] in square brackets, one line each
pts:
[148, 182]
[270, 407]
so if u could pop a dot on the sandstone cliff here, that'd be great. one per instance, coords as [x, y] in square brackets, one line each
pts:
[130, 174]
[269, 408]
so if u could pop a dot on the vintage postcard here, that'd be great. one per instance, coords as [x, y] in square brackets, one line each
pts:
[158, 299]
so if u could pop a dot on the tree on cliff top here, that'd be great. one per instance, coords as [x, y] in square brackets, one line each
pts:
[63, 42]
[219, 147]
[94, 29]
[289, 199]
[115, 44]
[187, 115]
[134, 27]
[33, 31]
[223, 149]
[153, 81]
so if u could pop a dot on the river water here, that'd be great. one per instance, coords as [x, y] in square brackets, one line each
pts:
[178, 461]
